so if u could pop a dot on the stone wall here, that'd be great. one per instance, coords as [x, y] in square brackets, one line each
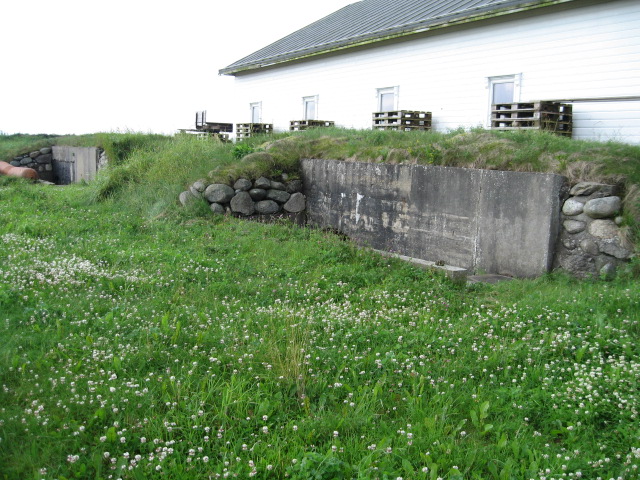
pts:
[262, 197]
[39, 160]
[591, 242]
[63, 164]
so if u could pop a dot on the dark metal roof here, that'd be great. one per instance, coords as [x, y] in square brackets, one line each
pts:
[374, 20]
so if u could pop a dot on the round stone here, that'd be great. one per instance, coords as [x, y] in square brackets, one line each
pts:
[572, 207]
[219, 193]
[602, 207]
[242, 184]
[589, 246]
[603, 229]
[258, 194]
[262, 182]
[278, 185]
[297, 203]
[217, 208]
[573, 226]
[200, 185]
[279, 196]
[186, 197]
[267, 207]
[243, 204]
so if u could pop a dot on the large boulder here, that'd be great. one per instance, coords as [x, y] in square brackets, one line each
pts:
[263, 183]
[279, 196]
[572, 207]
[296, 203]
[258, 194]
[243, 204]
[602, 207]
[219, 193]
[604, 229]
[267, 207]
[44, 158]
[186, 198]
[242, 184]
[217, 208]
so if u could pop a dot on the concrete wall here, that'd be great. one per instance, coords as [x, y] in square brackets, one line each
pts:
[486, 221]
[73, 164]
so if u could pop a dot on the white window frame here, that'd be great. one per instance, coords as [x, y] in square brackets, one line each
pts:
[305, 101]
[515, 78]
[255, 106]
[386, 90]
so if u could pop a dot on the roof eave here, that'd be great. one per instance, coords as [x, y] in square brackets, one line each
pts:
[444, 22]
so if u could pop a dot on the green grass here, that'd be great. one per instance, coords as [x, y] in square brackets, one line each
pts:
[142, 340]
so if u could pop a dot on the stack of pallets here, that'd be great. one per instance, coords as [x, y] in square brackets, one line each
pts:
[405, 120]
[550, 116]
[299, 125]
[246, 130]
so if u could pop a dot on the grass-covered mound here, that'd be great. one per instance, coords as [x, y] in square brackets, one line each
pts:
[157, 169]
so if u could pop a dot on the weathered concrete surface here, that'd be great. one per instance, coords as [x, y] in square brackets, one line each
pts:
[73, 164]
[495, 222]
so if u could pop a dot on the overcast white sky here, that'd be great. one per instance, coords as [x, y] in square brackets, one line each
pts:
[83, 66]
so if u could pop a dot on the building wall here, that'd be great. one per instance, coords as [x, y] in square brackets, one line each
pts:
[567, 53]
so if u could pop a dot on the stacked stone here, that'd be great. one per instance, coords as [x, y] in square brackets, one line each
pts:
[247, 198]
[591, 243]
[39, 160]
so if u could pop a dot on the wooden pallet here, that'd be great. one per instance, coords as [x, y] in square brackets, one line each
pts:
[246, 130]
[215, 127]
[550, 116]
[299, 125]
[405, 120]
[403, 128]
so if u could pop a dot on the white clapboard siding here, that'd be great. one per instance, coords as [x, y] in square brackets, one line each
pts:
[570, 52]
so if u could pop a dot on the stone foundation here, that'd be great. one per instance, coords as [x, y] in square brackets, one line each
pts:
[591, 242]
[260, 198]
[39, 160]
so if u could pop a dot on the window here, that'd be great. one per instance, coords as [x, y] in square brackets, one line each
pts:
[310, 107]
[387, 99]
[256, 112]
[503, 89]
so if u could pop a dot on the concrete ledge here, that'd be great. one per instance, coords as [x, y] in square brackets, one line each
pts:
[455, 274]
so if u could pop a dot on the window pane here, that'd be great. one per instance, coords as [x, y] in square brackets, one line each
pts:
[387, 102]
[310, 110]
[503, 92]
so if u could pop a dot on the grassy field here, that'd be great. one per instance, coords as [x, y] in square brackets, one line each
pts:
[142, 340]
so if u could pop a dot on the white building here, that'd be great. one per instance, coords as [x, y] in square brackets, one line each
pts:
[453, 58]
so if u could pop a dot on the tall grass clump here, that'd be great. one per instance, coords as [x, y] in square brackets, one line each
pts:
[162, 168]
